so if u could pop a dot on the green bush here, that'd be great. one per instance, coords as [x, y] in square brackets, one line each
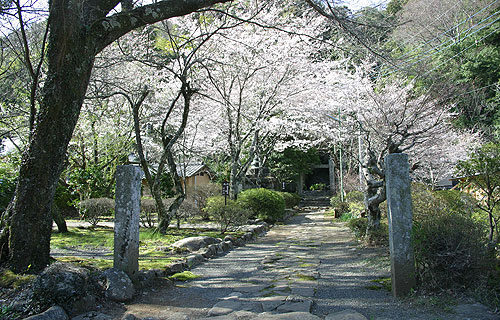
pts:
[347, 217]
[358, 226]
[8, 179]
[354, 196]
[339, 207]
[318, 187]
[7, 188]
[291, 199]
[264, 204]
[92, 210]
[450, 246]
[226, 212]
[355, 208]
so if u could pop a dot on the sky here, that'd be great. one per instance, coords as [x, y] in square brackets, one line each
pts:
[358, 4]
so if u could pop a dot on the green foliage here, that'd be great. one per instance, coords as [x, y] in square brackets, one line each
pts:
[347, 216]
[481, 173]
[8, 179]
[317, 187]
[354, 196]
[9, 279]
[289, 164]
[340, 207]
[394, 6]
[226, 212]
[166, 185]
[358, 226]
[355, 200]
[291, 199]
[7, 312]
[379, 236]
[93, 181]
[457, 201]
[92, 210]
[265, 204]
[450, 246]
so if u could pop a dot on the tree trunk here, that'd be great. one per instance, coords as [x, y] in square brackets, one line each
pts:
[234, 181]
[173, 210]
[374, 193]
[28, 218]
[59, 219]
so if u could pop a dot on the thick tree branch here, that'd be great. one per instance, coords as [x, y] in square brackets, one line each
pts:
[113, 27]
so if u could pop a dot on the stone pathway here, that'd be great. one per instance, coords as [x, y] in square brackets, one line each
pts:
[309, 268]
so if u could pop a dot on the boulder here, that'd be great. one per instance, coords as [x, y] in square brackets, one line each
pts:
[60, 284]
[194, 260]
[53, 313]
[147, 278]
[227, 245]
[230, 238]
[176, 268]
[195, 243]
[208, 252]
[346, 315]
[117, 285]
[93, 316]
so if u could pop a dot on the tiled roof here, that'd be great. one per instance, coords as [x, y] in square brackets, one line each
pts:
[189, 170]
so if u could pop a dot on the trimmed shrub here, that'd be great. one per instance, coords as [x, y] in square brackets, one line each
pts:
[291, 199]
[226, 214]
[92, 210]
[264, 204]
[450, 246]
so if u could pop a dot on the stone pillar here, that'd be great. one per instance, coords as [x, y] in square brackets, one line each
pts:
[127, 214]
[300, 184]
[331, 171]
[399, 214]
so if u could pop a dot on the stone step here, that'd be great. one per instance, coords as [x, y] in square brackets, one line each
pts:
[315, 202]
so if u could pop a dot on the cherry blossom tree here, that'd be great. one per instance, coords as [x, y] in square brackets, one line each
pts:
[394, 117]
[251, 83]
[78, 31]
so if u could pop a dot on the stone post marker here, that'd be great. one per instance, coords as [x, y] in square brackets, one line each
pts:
[127, 214]
[399, 214]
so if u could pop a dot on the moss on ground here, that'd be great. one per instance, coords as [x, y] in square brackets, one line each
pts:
[184, 276]
[151, 245]
[9, 279]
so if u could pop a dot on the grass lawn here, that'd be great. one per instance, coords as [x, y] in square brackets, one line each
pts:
[100, 240]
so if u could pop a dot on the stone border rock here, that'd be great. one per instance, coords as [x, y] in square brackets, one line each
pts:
[203, 254]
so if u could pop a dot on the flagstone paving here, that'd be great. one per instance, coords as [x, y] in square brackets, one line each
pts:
[309, 268]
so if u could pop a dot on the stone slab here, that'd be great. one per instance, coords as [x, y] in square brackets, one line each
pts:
[272, 303]
[288, 316]
[228, 306]
[300, 306]
[346, 315]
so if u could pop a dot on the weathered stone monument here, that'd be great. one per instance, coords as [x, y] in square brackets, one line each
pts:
[331, 172]
[127, 214]
[400, 214]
